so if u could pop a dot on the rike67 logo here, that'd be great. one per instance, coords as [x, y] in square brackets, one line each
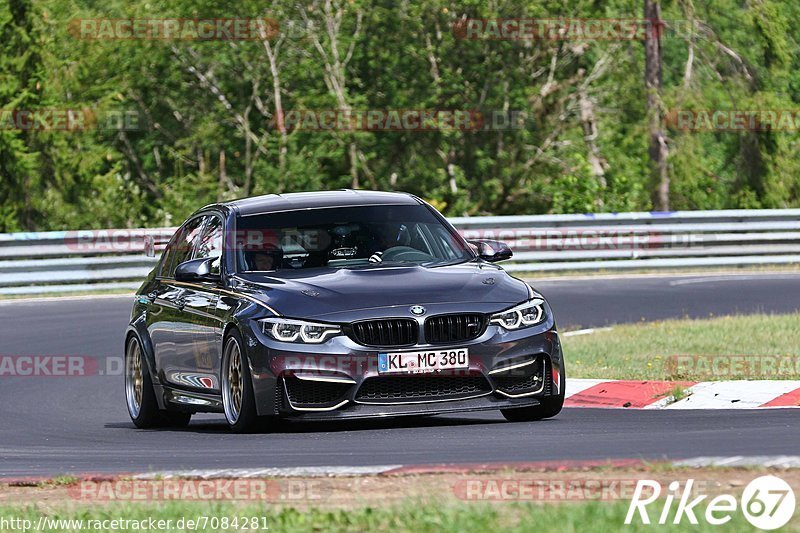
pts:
[767, 502]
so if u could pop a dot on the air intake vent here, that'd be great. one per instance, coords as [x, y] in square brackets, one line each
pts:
[453, 328]
[421, 388]
[385, 332]
[526, 379]
[314, 393]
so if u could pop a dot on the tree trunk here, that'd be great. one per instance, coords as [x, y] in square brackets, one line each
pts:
[589, 124]
[222, 176]
[658, 149]
[276, 92]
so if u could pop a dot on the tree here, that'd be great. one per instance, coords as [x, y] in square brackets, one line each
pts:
[21, 80]
[658, 149]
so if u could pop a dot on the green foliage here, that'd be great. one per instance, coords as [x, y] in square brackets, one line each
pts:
[207, 125]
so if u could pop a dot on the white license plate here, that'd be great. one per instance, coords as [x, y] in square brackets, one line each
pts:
[418, 362]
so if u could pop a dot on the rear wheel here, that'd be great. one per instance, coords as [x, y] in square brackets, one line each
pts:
[549, 407]
[139, 395]
[238, 399]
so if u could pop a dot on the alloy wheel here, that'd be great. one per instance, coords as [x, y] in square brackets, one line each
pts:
[232, 381]
[134, 378]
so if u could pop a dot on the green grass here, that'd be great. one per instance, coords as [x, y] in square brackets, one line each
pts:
[677, 393]
[411, 516]
[59, 481]
[644, 351]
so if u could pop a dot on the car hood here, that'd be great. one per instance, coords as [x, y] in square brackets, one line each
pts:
[349, 294]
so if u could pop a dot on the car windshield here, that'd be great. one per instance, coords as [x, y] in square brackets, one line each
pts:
[346, 237]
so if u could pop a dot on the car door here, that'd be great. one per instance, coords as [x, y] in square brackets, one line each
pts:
[173, 337]
[199, 367]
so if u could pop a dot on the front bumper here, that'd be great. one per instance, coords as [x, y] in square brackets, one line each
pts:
[356, 411]
[339, 379]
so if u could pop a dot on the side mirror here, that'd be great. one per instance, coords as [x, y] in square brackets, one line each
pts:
[197, 270]
[492, 251]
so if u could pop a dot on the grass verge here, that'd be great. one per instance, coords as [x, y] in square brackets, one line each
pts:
[589, 498]
[736, 347]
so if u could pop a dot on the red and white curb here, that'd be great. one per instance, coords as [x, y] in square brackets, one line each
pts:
[299, 471]
[761, 461]
[740, 394]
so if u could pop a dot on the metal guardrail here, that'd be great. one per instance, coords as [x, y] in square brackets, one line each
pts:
[64, 261]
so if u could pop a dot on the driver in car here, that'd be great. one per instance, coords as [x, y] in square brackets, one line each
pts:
[267, 259]
[387, 237]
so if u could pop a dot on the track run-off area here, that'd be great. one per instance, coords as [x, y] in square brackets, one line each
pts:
[59, 425]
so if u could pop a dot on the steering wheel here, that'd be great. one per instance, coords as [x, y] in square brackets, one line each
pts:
[405, 253]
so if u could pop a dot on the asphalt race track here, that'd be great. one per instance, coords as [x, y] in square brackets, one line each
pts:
[52, 425]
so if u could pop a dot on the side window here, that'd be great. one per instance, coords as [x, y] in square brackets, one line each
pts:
[210, 243]
[169, 254]
[182, 246]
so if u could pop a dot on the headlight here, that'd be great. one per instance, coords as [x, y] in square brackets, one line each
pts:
[288, 330]
[521, 316]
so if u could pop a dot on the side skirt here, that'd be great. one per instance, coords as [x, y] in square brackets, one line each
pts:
[192, 402]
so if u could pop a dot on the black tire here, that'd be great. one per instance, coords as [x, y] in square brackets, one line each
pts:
[148, 415]
[240, 414]
[549, 407]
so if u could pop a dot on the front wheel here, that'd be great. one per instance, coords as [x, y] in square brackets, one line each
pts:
[549, 407]
[238, 399]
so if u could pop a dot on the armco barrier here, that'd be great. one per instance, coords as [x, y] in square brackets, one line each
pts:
[63, 261]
